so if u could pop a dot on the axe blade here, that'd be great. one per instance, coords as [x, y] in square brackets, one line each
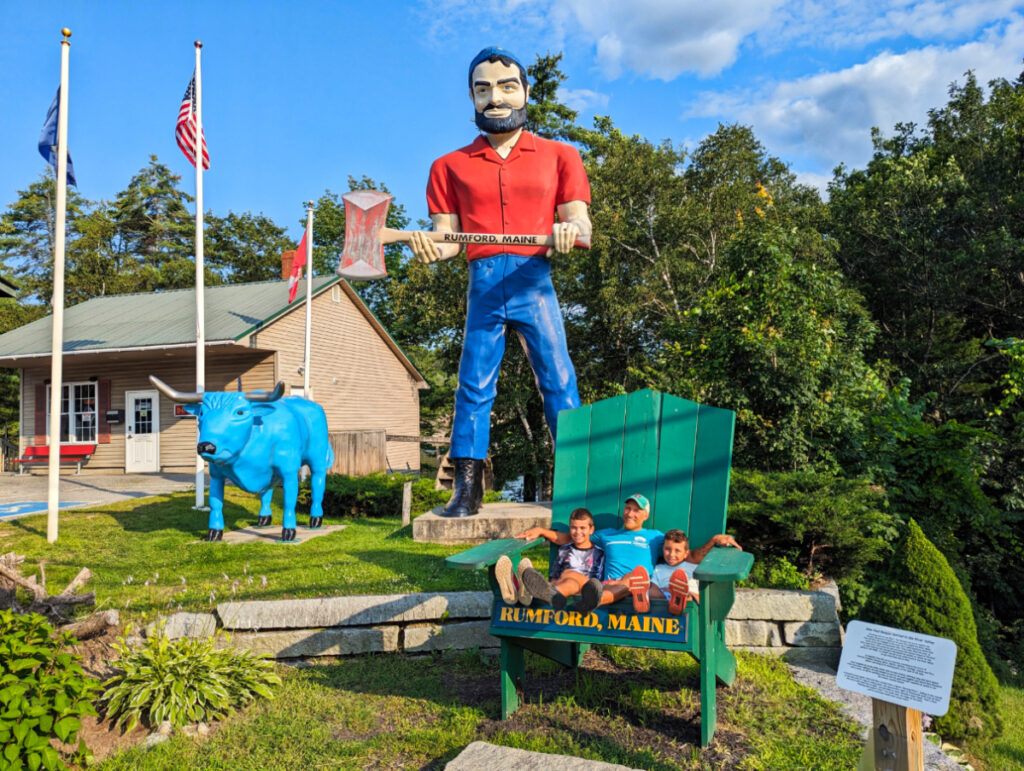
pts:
[366, 211]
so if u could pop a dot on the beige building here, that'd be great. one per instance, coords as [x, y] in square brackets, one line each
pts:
[254, 339]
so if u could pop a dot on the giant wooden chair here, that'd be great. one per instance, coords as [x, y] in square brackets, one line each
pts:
[678, 454]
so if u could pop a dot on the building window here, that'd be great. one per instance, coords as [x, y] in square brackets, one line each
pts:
[78, 413]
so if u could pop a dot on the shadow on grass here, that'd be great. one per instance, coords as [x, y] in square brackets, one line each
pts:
[176, 513]
[624, 715]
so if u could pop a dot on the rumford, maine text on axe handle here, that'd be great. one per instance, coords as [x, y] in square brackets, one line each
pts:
[366, 212]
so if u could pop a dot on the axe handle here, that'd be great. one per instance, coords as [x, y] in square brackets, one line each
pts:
[390, 236]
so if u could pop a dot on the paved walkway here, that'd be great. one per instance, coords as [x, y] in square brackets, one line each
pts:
[91, 489]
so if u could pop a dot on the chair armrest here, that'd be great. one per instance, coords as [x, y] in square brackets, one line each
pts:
[486, 554]
[724, 563]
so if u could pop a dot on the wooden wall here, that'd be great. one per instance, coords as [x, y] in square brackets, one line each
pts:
[177, 435]
[356, 377]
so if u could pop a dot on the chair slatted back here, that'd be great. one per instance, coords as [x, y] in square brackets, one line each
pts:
[676, 452]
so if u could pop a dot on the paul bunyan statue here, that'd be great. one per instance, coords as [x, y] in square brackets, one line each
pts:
[506, 181]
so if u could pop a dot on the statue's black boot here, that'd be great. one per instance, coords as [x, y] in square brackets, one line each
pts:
[468, 476]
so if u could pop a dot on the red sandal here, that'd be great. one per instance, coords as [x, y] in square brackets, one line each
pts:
[679, 592]
[639, 583]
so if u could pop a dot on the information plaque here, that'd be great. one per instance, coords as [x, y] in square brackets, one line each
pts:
[905, 668]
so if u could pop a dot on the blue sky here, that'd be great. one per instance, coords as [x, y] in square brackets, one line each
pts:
[298, 96]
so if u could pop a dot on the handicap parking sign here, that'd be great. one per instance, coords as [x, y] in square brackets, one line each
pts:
[12, 510]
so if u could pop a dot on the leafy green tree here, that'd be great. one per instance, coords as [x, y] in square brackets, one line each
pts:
[27, 231]
[153, 228]
[245, 247]
[13, 314]
[921, 594]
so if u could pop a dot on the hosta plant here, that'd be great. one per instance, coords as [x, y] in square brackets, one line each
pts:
[183, 681]
[43, 693]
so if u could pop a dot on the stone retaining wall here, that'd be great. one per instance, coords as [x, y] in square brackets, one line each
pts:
[799, 626]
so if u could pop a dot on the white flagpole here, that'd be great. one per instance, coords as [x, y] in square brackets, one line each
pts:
[309, 298]
[200, 310]
[57, 342]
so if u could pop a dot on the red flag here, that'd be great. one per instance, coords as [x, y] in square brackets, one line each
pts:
[297, 265]
[185, 129]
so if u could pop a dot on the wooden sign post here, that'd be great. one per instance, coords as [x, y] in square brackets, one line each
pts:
[899, 745]
[905, 674]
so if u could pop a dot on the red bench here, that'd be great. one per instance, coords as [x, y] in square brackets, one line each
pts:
[69, 453]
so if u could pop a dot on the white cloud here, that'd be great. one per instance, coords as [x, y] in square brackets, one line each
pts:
[665, 38]
[853, 23]
[582, 99]
[826, 118]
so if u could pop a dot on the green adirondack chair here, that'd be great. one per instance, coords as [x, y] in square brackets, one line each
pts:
[678, 454]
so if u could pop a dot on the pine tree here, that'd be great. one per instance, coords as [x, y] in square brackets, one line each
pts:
[922, 594]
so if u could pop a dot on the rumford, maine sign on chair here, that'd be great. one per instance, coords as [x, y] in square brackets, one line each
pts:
[680, 451]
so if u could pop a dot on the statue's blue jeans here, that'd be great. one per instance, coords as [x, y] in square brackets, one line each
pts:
[509, 291]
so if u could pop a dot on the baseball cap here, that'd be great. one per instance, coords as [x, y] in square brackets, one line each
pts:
[487, 53]
[640, 501]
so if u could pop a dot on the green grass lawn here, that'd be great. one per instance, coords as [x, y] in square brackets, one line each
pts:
[146, 557]
[634, 707]
[1007, 751]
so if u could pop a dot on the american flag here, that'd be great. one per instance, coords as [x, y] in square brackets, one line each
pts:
[297, 264]
[185, 131]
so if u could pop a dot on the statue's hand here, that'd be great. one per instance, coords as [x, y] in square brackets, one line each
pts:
[565, 234]
[423, 249]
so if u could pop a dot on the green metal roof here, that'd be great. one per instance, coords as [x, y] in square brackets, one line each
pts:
[155, 319]
[7, 288]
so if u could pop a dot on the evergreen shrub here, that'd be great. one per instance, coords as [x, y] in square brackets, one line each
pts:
[821, 523]
[921, 593]
[377, 495]
[43, 693]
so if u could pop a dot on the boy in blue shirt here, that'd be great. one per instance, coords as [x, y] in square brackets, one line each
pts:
[674, 576]
[629, 553]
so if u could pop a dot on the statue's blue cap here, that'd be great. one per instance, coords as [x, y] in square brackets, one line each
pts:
[486, 54]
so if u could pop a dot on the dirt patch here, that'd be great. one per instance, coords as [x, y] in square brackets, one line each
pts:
[103, 740]
[98, 654]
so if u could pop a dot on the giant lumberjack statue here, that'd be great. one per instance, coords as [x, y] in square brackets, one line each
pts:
[506, 181]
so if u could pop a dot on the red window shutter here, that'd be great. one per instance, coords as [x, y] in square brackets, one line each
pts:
[40, 437]
[103, 432]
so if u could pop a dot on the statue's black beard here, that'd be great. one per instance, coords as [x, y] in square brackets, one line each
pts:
[515, 120]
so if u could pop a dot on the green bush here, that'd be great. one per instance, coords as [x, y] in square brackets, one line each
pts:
[377, 495]
[43, 693]
[821, 523]
[922, 594]
[775, 573]
[183, 681]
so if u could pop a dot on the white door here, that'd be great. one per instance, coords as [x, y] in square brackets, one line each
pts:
[142, 431]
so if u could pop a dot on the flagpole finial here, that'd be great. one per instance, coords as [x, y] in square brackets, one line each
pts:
[310, 205]
[199, 44]
[66, 33]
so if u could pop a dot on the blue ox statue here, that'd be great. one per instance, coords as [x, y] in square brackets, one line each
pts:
[256, 439]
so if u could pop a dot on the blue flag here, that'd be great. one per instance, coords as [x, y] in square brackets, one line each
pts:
[48, 140]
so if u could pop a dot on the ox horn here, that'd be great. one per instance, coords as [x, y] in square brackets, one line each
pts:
[177, 396]
[263, 396]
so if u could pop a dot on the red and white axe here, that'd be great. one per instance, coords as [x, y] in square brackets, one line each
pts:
[366, 211]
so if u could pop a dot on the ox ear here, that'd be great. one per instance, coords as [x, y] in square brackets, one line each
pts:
[259, 409]
[192, 409]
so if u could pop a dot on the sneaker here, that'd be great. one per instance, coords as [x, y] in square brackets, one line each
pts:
[590, 596]
[678, 592]
[639, 583]
[541, 588]
[506, 581]
[525, 598]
